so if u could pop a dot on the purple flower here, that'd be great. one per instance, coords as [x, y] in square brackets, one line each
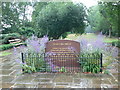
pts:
[18, 61]
[35, 44]
[15, 52]
[24, 63]
[98, 44]
[43, 41]
[115, 52]
[22, 46]
[72, 49]
[52, 66]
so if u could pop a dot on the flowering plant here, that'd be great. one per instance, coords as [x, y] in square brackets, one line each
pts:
[33, 54]
[36, 45]
[97, 46]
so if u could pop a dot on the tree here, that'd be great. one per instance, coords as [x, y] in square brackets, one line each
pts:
[14, 18]
[56, 19]
[10, 17]
[37, 8]
[104, 17]
[109, 10]
[96, 20]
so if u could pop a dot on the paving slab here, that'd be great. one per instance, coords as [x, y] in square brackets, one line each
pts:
[7, 79]
[5, 72]
[60, 86]
[24, 79]
[45, 80]
[76, 80]
[24, 86]
[63, 83]
[106, 86]
[16, 73]
[115, 86]
[11, 76]
[6, 85]
[16, 67]
[44, 75]
[96, 85]
[105, 81]
[63, 78]
[47, 85]
[96, 81]
[7, 66]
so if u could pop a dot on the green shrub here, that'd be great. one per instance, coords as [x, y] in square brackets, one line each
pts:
[94, 68]
[106, 72]
[5, 40]
[6, 37]
[34, 63]
[116, 43]
[90, 62]
[2, 36]
[62, 69]
[8, 46]
[5, 47]
[16, 35]
[5, 53]
[1, 41]
[28, 69]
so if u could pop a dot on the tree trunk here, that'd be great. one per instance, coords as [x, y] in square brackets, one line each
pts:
[110, 31]
[24, 14]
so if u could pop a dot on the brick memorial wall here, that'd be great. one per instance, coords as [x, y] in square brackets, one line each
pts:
[64, 53]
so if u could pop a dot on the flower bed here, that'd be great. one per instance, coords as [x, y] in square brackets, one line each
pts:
[90, 56]
[91, 62]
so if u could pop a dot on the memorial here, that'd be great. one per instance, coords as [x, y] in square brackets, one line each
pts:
[64, 53]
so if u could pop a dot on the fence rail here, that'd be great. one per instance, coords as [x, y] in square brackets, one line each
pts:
[66, 63]
[91, 62]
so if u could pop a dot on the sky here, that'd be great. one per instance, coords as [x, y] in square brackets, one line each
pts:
[87, 3]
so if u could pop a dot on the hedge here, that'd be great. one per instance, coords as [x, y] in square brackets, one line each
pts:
[5, 37]
[5, 46]
[116, 43]
[8, 46]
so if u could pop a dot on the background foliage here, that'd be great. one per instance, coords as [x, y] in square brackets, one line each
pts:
[57, 19]
[104, 17]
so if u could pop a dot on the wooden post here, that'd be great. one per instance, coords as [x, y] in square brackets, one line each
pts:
[45, 62]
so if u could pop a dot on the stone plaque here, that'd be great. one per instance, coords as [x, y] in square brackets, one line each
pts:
[63, 53]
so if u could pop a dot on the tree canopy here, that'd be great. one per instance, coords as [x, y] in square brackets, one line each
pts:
[14, 18]
[104, 17]
[56, 19]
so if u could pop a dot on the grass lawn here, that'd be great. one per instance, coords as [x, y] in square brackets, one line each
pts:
[110, 40]
[89, 36]
[5, 53]
[72, 37]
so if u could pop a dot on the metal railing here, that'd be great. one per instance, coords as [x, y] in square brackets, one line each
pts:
[63, 63]
[91, 62]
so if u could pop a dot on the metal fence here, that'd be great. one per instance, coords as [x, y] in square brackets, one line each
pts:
[64, 63]
[91, 62]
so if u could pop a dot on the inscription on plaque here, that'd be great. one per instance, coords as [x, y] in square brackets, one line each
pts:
[64, 52]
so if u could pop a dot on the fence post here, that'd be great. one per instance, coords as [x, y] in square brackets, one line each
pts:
[101, 62]
[45, 61]
[22, 59]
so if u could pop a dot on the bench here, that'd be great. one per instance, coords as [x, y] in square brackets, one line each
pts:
[17, 41]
